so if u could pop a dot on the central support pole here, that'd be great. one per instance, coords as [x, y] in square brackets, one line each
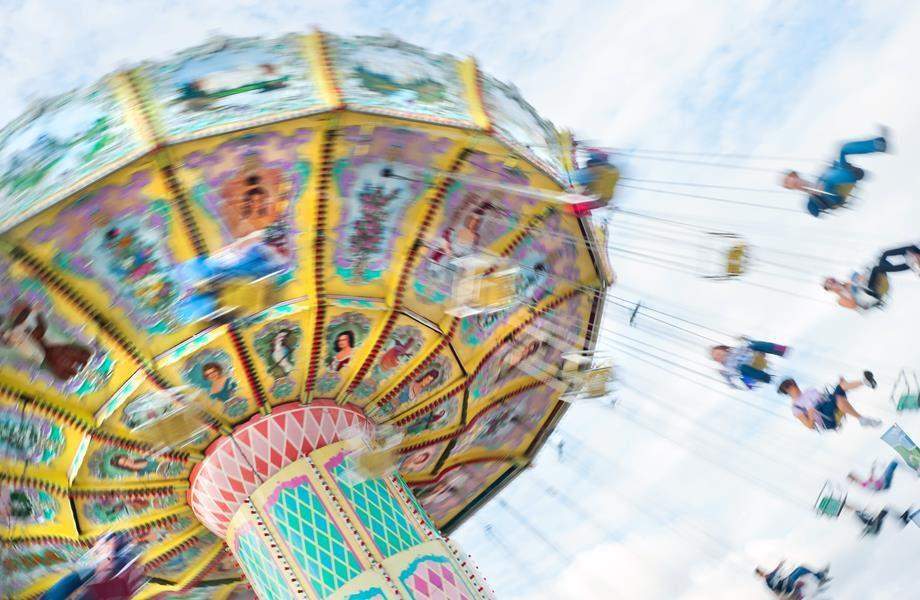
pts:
[306, 523]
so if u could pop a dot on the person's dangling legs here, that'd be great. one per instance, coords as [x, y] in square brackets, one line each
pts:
[879, 144]
[752, 373]
[797, 574]
[889, 474]
[884, 261]
[769, 348]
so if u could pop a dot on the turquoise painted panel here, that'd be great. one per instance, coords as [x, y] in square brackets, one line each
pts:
[379, 512]
[261, 570]
[313, 538]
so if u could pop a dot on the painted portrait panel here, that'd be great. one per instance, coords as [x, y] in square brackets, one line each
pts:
[38, 343]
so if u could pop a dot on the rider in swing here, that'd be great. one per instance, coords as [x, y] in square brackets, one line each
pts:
[832, 189]
[792, 584]
[825, 412]
[746, 364]
[868, 290]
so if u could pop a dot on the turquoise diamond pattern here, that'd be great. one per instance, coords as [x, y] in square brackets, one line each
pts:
[378, 511]
[313, 539]
[261, 570]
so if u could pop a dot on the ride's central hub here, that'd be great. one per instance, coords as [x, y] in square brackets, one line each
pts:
[236, 465]
[303, 520]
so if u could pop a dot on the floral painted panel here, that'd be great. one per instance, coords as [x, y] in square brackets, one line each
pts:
[118, 236]
[388, 171]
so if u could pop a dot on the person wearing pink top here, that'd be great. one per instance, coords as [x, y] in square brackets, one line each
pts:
[873, 483]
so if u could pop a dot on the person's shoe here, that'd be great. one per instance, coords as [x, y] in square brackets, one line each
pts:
[913, 261]
[869, 422]
[869, 379]
[884, 132]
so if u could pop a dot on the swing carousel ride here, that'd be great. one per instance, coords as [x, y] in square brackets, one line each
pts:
[282, 311]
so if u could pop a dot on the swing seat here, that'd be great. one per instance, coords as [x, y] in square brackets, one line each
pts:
[737, 260]
[481, 284]
[760, 361]
[909, 402]
[723, 256]
[831, 501]
[883, 286]
[905, 393]
[175, 422]
[603, 182]
[373, 464]
[593, 379]
[253, 295]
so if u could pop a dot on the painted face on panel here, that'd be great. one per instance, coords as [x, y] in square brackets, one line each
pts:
[211, 371]
[475, 217]
[250, 186]
[276, 344]
[345, 334]
[430, 378]
[110, 462]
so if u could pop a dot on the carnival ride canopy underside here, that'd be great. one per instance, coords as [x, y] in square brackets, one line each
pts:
[376, 164]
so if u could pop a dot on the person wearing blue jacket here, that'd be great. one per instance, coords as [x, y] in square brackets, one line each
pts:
[832, 189]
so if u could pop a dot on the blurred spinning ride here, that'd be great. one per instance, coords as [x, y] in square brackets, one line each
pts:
[223, 273]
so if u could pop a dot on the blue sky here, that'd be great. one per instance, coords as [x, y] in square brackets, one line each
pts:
[680, 490]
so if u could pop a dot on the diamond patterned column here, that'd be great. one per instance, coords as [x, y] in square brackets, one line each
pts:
[304, 523]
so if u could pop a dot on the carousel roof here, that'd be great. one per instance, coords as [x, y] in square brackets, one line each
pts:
[378, 161]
